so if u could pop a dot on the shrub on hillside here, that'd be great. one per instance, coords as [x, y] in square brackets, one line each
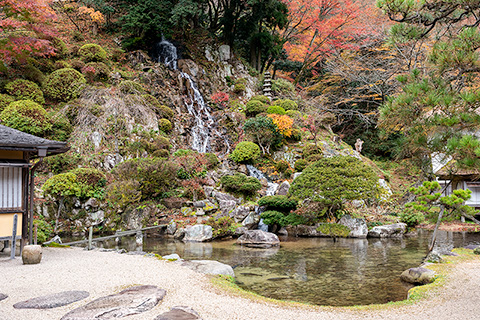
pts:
[240, 183]
[288, 104]
[5, 100]
[61, 127]
[278, 203]
[96, 71]
[131, 87]
[300, 164]
[261, 98]
[63, 84]
[164, 125]
[276, 110]
[282, 86]
[26, 116]
[92, 53]
[254, 107]
[82, 183]
[25, 90]
[61, 64]
[245, 151]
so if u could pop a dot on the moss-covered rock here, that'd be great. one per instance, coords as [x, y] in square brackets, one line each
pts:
[92, 52]
[165, 125]
[131, 87]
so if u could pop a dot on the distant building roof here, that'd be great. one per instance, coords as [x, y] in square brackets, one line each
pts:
[11, 139]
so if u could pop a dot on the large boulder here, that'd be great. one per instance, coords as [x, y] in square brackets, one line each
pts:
[283, 188]
[418, 275]
[52, 301]
[209, 267]
[128, 302]
[305, 231]
[240, 213]
[198, 233]
[358, 226]
[32, 254]
[251, 220]
[227, 206]
[388, 231]
[258, 239]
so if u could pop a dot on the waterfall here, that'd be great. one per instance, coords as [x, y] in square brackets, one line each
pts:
[204, 126]
[271, 186]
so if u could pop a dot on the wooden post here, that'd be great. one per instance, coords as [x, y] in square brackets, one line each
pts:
[35, 233]
[90, 235]
[14, 237]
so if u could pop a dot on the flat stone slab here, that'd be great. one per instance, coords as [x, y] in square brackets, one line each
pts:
[209, 267]
[128, 302]
[179, 313]
[52, 300]
[3, 296]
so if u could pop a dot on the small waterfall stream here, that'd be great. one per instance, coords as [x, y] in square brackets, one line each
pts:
[204, 126]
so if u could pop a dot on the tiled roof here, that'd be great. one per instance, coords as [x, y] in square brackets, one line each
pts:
[11, 139]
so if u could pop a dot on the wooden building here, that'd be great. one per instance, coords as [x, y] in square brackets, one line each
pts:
[17, 150]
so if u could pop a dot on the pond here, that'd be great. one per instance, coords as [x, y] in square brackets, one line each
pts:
[316, 270]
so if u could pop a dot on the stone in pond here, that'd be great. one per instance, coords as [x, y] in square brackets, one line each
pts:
[52, 300]
[418, 275]
[388, 231]
[3, 296]
[128, 302]
[258, 239]
[179, 313]
[209, 267]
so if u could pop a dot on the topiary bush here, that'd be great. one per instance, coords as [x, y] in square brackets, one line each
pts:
[276, 110]
[131, 87]
[282, 86]
[96, 71]
[165, 112]
[239, 88]
[278, 203]
[288, 104]
[254, 107]
[82, 183]
[164, 125]
[222, 227]
[240, 183]
[63, 85]
[5, 100]
[282, 166]
[26, 116]
[92, 53]
[25, 90]
[245, 151]
[261, 98]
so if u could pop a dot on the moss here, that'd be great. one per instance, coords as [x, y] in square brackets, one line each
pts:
[131, 87]
[92, 53]
[25, 90]
[64, 84]
[26, 116]
[56, 245]
[166, 112]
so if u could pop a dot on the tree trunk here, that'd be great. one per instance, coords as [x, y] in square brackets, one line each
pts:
[434, 236]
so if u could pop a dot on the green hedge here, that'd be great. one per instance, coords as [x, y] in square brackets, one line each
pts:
[63, 84]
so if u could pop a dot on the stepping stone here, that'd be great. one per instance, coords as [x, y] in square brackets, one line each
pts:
[179, 313]
[3, 296]
[52, 300]
[131, 301]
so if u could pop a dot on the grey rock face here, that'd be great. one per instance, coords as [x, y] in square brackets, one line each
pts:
[358, 226]
[240, 213]
[388, 231]
[179, 234]
[209, 267]
[198, 233]
[224, 52]
[305, 231]
[258, 239]
[283, 188]
[52, 301]
[179, 313]
[128, 302]
[418, 275]
[251, 220]
[32, 254]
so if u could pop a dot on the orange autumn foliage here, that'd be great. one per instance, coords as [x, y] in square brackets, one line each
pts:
[283, 122]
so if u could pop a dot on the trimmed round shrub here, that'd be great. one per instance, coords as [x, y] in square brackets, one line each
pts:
[131, 87]
[63, 84]
[278, 203]
[164, 125]
[96, 71]
[239, 88]
[26, 116]
[5, 100]
[25, 90]
[92, 53]
[245, 151]
[261, 98]
[276, 110]
[151, 101]
[282, 86]
[300, 164]
[83, 183]
[288, 104]
[62, 64]
[77, 64]
[32, 73]
[240, 183]
[166, 112]
[254, 107]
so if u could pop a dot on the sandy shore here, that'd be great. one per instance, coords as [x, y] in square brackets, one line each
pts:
[104, 273]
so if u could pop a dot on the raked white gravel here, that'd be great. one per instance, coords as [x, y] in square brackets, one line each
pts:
[105, 273]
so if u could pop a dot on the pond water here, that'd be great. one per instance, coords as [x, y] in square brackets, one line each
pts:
[316, 270]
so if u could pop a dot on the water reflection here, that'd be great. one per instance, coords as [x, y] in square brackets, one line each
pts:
[317, 270]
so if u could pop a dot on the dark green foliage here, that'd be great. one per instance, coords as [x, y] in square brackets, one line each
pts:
[301, 164]
[131, 87]
[61, 64]
[154, 175]
[92, 52]
[245, 152]
[212, 160]
[63, 85]
[83, 183]
[32, 73]
[288, 104]
[334, 230]
[5, 100]
[164, 125]
[44, 229]
[25, 90]
[272, 217]
[282, 86]
[222, 227]
[263, 99]
[61, 127]
[311, 149]
[124, 193]
[276, 110]
[264, 132]
[26, 116]
[332, 181]
[239, 88]
[62, 162]
[240, 183]
[61, 50]
[254, 107]
[278, 203]
[166, 112]
[282, 166]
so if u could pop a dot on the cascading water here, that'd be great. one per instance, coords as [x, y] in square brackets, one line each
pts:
[204, 126]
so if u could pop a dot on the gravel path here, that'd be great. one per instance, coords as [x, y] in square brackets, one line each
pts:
[104, 273]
